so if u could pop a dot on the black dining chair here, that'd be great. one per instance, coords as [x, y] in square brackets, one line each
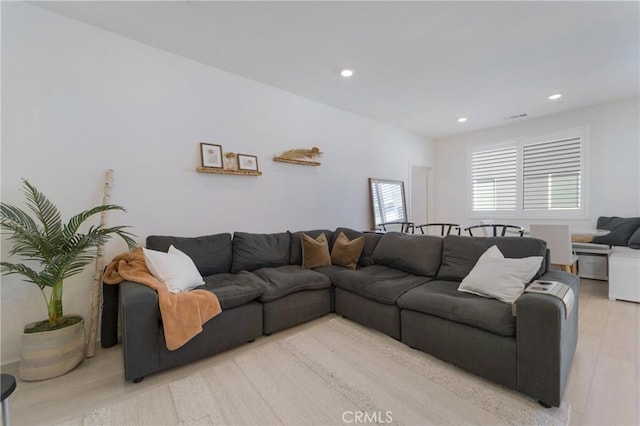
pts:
[445, 228]
[498, 229]
[405, 227]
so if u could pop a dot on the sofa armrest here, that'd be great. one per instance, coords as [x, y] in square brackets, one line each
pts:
[109, 321]
[140, 316]
[546, 341]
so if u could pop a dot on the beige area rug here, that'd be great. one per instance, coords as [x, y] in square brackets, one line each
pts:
[330, 372]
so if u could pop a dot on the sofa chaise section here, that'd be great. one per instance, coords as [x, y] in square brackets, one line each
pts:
[471, 332]
[530, 352]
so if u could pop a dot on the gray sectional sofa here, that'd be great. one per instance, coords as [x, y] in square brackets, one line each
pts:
[404, 286]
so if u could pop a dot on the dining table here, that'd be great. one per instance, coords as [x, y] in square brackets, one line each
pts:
[582, 235]
[578, 235]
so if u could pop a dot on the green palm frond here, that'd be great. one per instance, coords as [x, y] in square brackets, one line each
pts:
[120, 231]
[60, 249]
[45, 211]
[22, 230]
[71, 263]
[26, 243]
[32, 276]
[76, 221]
[16, 216]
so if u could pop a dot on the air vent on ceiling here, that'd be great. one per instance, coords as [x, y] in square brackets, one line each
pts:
[513, 117]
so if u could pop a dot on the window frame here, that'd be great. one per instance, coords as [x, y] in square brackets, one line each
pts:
[519, 212]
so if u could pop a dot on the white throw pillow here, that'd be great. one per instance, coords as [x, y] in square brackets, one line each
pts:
[175, 269]
[500, 278]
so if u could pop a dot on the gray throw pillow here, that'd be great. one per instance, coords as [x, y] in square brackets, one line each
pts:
[371, 241]
[416, 254]
[634, 241]
[255, 251]
[211, 253]
[621, 230]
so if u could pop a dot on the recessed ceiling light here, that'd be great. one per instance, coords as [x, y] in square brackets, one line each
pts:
[462, 119]
[346, 73]
[555, 96]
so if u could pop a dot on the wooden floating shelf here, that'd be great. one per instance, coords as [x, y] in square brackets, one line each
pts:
[228, 172]
[300, 162]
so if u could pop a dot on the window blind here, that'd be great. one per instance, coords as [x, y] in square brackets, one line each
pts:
[552, 175]
[494, 179]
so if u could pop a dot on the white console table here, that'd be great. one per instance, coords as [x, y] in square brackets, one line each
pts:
[624, 274]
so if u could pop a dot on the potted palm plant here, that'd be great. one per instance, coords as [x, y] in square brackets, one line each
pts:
[57, 251]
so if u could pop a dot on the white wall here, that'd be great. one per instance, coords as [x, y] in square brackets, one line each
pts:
[614, 178]
[77, 101]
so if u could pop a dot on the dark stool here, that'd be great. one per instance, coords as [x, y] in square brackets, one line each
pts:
[8, 386]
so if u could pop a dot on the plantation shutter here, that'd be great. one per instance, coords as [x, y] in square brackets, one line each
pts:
[552, 175]
[494, 179]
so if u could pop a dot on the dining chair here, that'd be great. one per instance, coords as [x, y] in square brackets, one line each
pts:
[445, 228]
[498, 229]
[558, 238]
[405, 227]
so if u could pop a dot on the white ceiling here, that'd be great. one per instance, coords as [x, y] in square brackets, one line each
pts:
[418, 65]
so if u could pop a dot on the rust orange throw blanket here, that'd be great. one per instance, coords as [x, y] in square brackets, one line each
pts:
[182, 313]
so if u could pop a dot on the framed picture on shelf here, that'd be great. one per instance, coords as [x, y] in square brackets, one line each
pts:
[211, 155]
[248, 162]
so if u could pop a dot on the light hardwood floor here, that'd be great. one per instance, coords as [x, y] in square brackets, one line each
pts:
[604, 383]
[603, 387]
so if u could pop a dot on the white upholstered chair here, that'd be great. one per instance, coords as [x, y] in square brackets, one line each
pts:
[558, 238]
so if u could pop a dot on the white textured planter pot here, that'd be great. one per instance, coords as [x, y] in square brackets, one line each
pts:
[49, 354]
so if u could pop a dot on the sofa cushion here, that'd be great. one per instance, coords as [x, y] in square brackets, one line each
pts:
[418, 254]
[284, 280]
[460, 254]
[377, 282]
[622, 228]
[211, 253]
[315, 251]
[295, 252]
[331, 271]
[442, 299]
[371, 241]
[634, 241]
[499, 278]
[254, 251]
[234, 289]
[346, 252]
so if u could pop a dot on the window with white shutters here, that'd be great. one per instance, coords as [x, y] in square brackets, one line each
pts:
[494, 179]
[530, 178]
[551, 174]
